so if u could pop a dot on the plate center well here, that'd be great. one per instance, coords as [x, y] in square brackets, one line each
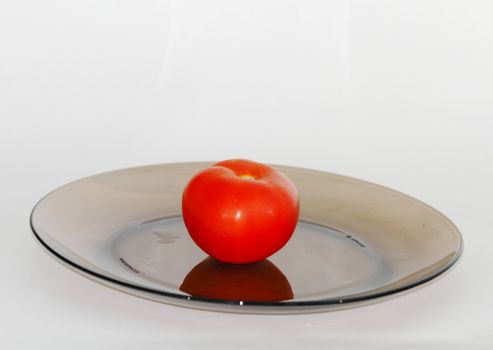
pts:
[318, 262]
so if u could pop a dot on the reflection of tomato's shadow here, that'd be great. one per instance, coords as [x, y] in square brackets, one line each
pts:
[261, 281]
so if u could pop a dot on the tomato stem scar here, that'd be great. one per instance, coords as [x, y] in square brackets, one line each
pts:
[247, 177]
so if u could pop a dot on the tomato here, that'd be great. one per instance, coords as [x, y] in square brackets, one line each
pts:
[260, 281]
[239, 211]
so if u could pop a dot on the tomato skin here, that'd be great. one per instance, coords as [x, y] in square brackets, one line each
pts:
[239, 211]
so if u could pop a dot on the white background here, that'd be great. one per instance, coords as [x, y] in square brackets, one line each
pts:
[395, 92]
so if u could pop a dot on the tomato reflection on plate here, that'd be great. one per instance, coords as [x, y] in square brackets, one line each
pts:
[261, 281]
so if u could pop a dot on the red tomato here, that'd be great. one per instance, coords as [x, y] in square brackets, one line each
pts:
[239, 211]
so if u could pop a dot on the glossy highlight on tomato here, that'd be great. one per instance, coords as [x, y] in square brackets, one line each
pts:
[239, 211]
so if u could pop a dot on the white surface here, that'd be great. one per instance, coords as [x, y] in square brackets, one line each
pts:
[395, 92]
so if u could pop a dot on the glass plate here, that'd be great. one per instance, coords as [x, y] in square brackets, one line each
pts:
[355, 243]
